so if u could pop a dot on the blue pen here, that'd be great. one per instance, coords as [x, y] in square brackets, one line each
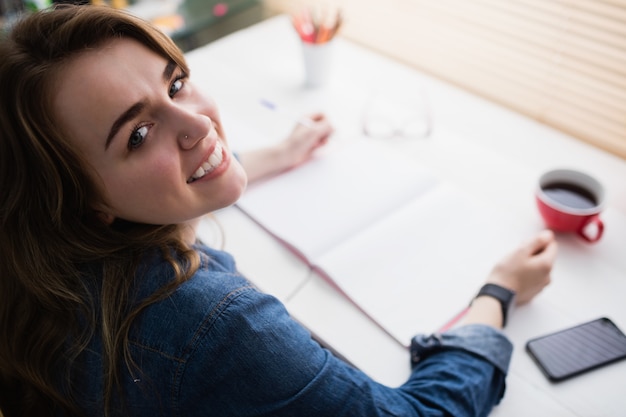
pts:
[304, 121]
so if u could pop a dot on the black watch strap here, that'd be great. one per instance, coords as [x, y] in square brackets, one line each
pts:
[505, 296]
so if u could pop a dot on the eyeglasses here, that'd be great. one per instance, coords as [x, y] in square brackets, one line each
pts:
[387, 116]
[378, 127]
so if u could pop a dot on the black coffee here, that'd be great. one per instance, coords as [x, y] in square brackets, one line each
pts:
[570, 195]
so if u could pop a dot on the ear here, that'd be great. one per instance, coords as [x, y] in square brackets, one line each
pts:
[106, 218]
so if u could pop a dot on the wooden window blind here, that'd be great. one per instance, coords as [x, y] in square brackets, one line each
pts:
[561, 62]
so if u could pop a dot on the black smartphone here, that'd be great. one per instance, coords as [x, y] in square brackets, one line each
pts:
[578, 349]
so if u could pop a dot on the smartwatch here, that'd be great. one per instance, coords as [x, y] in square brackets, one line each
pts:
[505, 296]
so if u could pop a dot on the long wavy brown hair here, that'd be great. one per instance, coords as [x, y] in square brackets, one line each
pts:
[50, 233]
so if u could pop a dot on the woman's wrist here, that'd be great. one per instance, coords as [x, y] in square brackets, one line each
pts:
[484, 310]
[260, 163]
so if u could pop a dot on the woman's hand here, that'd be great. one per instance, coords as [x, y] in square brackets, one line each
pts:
[304, 140]
[525, 271]
[295, 150]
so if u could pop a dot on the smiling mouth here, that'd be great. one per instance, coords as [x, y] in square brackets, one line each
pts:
[213, 161]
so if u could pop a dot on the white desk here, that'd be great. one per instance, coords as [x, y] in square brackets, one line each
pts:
[496, 154]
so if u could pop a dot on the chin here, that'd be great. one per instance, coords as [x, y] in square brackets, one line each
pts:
[238, 193]
[233, 194]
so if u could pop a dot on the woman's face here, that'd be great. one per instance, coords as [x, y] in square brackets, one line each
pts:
[155, 142]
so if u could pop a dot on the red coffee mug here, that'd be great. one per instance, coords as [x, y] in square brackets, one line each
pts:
[571, 201]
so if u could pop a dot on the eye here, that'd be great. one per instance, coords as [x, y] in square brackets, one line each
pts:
[137, 137]
[176, 86]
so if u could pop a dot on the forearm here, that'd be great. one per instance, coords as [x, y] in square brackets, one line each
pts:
[484, 310]
[261, 163]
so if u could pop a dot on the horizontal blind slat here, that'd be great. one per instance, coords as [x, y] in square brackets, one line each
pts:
[542, 32]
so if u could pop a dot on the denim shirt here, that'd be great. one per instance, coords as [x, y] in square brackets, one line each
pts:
[218, 347]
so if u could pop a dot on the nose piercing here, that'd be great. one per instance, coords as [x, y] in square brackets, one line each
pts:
[186, 137]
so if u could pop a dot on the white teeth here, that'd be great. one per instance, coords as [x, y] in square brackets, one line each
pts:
[214, 160]
[199, 173]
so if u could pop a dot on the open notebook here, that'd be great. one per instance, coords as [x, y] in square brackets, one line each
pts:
[408, 249]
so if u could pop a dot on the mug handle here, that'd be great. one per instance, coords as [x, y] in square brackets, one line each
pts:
[599, 227]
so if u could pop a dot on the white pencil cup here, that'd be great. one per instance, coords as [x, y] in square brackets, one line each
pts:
[317, 63]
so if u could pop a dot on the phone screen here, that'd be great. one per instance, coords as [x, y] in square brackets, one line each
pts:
[578, 349]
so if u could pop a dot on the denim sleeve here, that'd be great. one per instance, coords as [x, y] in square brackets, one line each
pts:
[254, 360]
[459, 356]
[484, 341]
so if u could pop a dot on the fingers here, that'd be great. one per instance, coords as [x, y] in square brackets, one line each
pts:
[317, 117]
[320, 120]
[549, 251]
[304, 139]
[317, 134]
[543, 248]
[325, 127]
[540, 242]
[527, 270]
[540, 254]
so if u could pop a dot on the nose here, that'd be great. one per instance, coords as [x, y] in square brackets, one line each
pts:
[192, 128]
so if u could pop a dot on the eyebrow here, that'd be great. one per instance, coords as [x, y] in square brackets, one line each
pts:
[136, 108]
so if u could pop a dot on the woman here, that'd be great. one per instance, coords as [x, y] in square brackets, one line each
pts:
[110, 157]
